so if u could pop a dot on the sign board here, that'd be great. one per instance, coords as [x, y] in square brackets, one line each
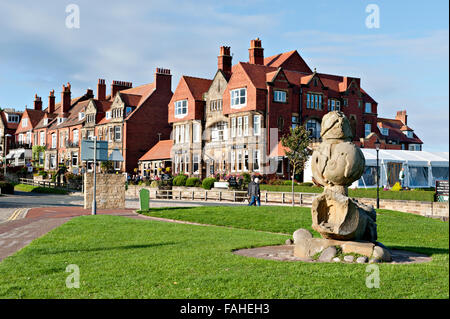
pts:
[442, 188]
[30, 169]
[442, 191]
[232, 182]
[87, 150]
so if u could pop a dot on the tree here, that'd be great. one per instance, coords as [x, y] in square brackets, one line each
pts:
[297, 152]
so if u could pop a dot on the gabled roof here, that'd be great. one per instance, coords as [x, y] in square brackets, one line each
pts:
[197, 86]
[395, 131]
[51, 117]
[34, 117]
[161, 150]
[257, 74]
[288, 60]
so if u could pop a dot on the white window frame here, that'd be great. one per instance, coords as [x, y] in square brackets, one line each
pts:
[117, 130]
[196, 132]
[233, 127]
[246, 125]
[257, 160]
[108, 115]
[54, 140]
[279, 96]
[238, 98]
[256, 125]
[42, 138]
[187, 137]
[233, 161]
[76, 136]
[181, 108]
[24, 122]
[239, 126]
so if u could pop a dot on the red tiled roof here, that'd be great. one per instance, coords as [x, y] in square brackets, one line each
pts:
[161, 150]
[395, 131]
[279, 60]
[34, 117]
[197, 86]
[9, 125]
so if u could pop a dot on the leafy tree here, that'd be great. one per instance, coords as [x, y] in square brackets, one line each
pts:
[296, 142]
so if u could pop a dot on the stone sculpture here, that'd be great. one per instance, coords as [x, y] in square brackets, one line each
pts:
[336, 164]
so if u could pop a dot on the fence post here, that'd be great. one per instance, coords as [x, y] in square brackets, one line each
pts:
[220, 196]
[282, 198]
[206, 196]
[234, 196]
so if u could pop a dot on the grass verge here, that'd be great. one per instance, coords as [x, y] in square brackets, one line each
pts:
[39, 189]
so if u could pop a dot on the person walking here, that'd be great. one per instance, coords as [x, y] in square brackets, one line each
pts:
[401, 177]
[254, 192]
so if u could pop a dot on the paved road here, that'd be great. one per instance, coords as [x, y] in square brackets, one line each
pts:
[15, 206]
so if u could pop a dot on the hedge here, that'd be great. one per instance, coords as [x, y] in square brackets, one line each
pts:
[208, 182]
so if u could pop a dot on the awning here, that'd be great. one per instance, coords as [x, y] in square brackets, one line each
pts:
[115, 156]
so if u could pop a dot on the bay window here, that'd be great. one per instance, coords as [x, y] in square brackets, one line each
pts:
[256, 125]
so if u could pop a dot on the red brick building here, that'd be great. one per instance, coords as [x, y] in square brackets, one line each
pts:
[243, 112]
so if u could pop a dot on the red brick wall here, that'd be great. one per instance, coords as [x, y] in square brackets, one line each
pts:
[181, 93]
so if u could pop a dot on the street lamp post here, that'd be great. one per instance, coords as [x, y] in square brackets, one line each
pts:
[4, 154]
[94, 201]
[377, 147]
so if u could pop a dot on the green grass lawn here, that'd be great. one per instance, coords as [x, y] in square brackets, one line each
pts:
[39, 189]
[120, 257]
[419, 195]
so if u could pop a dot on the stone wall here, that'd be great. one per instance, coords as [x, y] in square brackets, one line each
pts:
[110, 191]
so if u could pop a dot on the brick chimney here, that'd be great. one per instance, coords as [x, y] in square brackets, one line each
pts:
[117, 86]
[37, 102]
[65, 99]
[256, 52]
[163, 79]
[101, 90]
[224, 60]
[401, 115]
[51, 102]
[89, 93]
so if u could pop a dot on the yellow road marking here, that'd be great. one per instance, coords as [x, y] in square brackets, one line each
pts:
[15, 214]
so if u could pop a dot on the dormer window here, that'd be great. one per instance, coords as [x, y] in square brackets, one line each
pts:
[12, 118]
[60, 120]
[46, 121]
[80, 116]
[409, 134]
[128, 110]
[383, 130]
[108, 115]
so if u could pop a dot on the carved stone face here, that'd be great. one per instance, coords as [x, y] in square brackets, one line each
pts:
[335, 125]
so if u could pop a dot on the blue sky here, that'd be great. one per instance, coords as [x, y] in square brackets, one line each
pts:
[402, 65]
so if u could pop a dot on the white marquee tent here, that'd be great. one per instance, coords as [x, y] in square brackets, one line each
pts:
[421, 168]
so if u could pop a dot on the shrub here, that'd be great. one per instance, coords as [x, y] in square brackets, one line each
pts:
[180, 180]
[247, 178]
[193, 182]
[155, 184]
[208, 182]
[6, 187]
[289, 183]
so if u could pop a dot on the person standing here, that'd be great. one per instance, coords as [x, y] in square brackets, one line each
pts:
[401, 177]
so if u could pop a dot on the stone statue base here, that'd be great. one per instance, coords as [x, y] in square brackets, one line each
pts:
[336, 216]
[327, 249]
